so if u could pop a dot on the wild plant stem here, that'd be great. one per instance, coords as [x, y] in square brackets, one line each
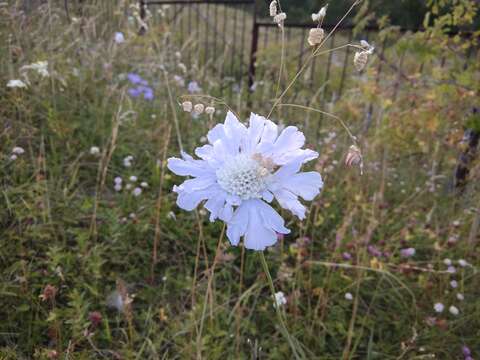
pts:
[283, 327]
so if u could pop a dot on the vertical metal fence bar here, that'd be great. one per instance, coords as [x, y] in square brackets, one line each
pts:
[206, 35]
[197, 42]
[189, 34]
[224, 53]
[302, 48]
[215, 21]
[234, 39]
[242, 41]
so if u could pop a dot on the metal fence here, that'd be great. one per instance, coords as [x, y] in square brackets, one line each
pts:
[236, 41]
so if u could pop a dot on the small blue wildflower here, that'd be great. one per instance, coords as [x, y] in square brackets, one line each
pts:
[134, 92]
[134, 78]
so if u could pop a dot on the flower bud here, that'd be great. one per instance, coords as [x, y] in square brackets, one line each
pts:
[354, 157]
[187, 106]
[315, 36]
[209, 110]
[198, 108]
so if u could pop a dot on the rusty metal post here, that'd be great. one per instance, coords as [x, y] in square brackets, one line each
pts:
[253, 48]
[143, 15]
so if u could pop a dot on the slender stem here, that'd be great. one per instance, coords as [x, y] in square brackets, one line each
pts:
[283, 328]
[307, 62]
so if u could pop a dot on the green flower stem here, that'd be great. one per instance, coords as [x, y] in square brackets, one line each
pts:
[283, 328]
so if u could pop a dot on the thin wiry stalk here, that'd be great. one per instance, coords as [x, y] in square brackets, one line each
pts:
[209, 292]
[354, 139]
[174, 112]
[282, 58]
[159, 204]
[281, 322]
[314, 53]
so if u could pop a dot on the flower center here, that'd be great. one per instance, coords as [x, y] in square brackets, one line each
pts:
[244, 176]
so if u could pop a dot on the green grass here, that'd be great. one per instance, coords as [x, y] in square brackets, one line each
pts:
[63, 225]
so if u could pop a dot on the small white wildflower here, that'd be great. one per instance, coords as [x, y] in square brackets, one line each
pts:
[13, 157]
[132, 215]
[453, 310]
[348, 296]
[439, 307]
[454, 284]
[209, 110]
[171, 215]
[317, 17]
[41, 67]
[279, 19]
[203, 139]
[447, 262]
[137, 191]
[273, 8]
[462, 262]
[451, 270]
[315, 36]
[94, 150]
[187, 106]
[198, 108]
[117, 187]
[117, 180]
[128, 186]
[18, 150]
[164, 278]
[127, 162]
[144, 184]
[456, 223]
[280, 299]
[119, 37]
[133, 178]
[16, 83]
[460, 297]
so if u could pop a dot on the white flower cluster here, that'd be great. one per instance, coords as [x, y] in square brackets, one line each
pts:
[16, 152]
[197, 109]
[131, 185]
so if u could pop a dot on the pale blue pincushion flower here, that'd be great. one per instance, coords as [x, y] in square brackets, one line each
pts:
[241, 170]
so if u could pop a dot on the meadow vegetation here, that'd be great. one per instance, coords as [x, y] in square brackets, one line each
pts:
[385, 266]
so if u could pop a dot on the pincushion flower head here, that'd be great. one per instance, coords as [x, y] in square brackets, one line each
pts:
[241, 171]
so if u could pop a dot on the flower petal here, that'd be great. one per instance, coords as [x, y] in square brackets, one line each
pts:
[188, 167]
[289, 201]
[258, 222]
[254, 133]
[306, 184]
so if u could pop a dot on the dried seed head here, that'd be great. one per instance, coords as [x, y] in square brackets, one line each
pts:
[354, 157]
[209, 110]
[187, 106]
[49, 293]
[315, 36]
[198, 108]
[360, 60]
[273, 8]
[320, 15]
[279, 19]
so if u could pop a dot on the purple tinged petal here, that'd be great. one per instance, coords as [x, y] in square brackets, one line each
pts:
[134, 78]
